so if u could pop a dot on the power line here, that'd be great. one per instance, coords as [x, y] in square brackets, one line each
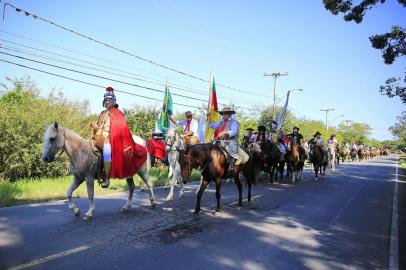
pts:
[87, 55]
[91, 84]
[87, 62]
[101, 70]
[96, 69]
[111, 79]
[175, 86]
[100, 77]
[117, 49]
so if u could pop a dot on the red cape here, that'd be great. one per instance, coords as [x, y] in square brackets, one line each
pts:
[127, 156]
[156, 148]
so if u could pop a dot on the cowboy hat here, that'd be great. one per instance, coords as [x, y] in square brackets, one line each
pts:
[317, 133]
[332, 135]
[226, 110]
[249, 129]
[296, 128]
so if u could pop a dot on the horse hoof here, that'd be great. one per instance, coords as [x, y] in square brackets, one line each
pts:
[250, 205]
[87, 217]
[169, 198]
[315, 179]
[217, 213]
[76, 212]
[125, 209]
[153, 204]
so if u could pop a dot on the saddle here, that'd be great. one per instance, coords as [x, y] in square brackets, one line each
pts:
[190, 140]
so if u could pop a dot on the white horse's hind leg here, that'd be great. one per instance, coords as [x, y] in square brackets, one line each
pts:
[131, 187]
[178, 178]
[172, 183]
[72, 206]
[143, 173]
[90, 195]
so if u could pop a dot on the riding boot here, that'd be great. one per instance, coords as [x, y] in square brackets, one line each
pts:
[231, 161]
[106, 176]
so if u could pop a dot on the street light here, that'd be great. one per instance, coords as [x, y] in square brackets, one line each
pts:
[297, 89]
[335, 119]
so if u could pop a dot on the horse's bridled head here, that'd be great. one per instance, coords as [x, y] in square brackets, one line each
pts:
[52, 143]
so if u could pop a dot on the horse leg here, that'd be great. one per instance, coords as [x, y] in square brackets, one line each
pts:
[90, 196]
[203, 185]
[131, 187]
[74, 185]
[271, 174]
[172, 183]
[218, 195]
[143, 173]
[239, 186]
[316, 171]
[179, 179]
[249, 193]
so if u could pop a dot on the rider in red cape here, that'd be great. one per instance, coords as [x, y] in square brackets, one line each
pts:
[127, 156]
[121, 155]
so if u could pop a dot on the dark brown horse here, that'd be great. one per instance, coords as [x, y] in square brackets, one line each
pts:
[318, 160]
[360, 153]
[295, 160]
[271, 155]
[212, 162]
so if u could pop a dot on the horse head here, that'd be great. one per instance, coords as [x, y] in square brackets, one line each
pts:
[54, 140]
[254, 149]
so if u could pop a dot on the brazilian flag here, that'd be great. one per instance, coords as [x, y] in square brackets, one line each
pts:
[163, 121]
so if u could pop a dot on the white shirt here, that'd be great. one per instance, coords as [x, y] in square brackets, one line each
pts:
[194, 125]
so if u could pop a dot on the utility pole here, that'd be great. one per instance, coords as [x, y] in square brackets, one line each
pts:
[327, 110]
[275, 75]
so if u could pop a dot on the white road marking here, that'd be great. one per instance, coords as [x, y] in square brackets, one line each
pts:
[49, 258]
[394, 245]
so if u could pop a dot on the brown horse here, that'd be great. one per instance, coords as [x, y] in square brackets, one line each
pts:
[212, 162]
[271, 155]
[318, 160]
[296, 158]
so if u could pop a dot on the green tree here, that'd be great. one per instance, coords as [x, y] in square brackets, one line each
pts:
[24, 114]
[399, 129]
[393, 87]
[392, 44]
[266, 116]
[355, 132]
[141, 120]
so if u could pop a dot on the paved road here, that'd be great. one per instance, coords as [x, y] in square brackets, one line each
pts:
[341, 221]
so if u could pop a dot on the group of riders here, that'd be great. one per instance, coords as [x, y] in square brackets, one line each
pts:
[113, 138]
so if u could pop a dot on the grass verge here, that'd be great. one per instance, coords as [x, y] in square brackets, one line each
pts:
[49, 189]
[402, 160]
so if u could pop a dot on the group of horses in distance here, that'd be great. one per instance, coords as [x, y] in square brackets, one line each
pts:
[209, 158]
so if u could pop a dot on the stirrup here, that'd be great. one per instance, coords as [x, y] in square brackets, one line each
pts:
[104, 184]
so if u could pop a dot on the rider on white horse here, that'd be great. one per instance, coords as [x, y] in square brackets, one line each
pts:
[333, 140]
[190, 128]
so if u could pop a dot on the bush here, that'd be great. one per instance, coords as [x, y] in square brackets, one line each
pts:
[23, 115]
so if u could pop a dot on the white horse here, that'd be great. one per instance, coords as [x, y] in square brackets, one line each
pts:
[173, 143]
[83, 164]
[332, 159]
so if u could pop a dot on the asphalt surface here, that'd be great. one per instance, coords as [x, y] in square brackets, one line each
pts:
[342, 221]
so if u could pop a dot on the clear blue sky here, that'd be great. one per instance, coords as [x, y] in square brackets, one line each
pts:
[332, 60]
